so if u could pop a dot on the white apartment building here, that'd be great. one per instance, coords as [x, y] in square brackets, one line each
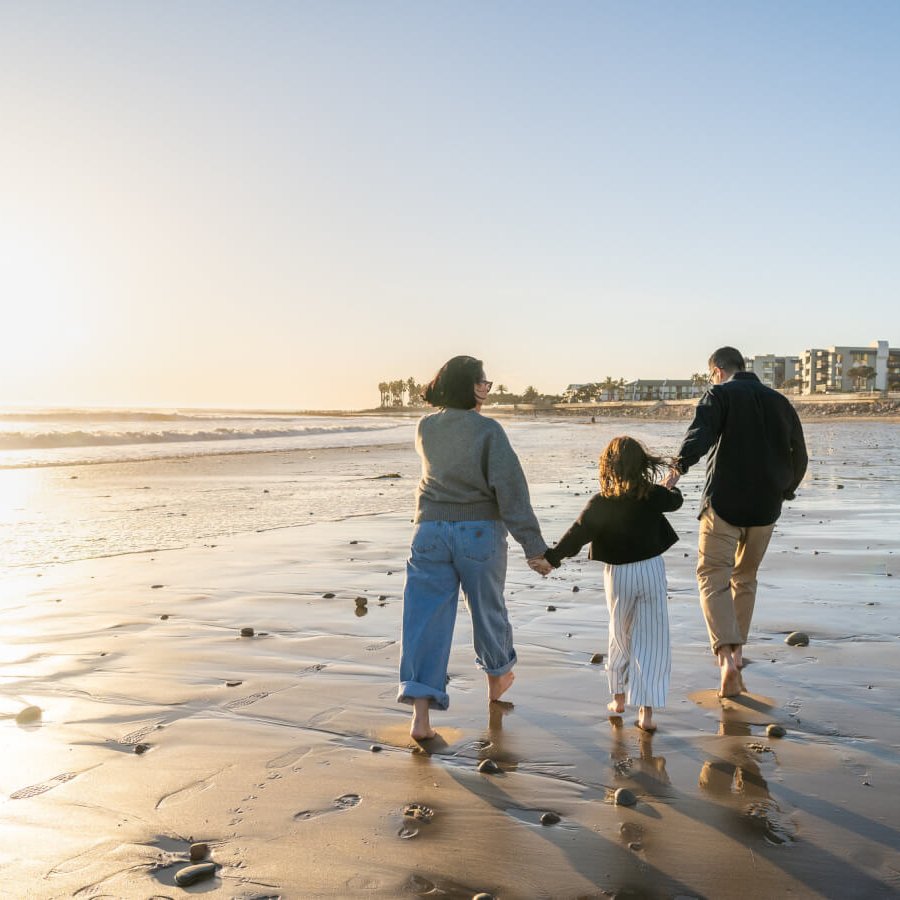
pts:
[823, 370]
[773, 370]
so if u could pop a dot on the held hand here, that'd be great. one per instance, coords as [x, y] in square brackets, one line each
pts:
[540, 565]
[671, 479]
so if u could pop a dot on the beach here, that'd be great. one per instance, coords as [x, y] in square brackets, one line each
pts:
[136, 719]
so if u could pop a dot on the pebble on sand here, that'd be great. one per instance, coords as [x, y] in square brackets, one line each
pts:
[483, 896]
[191, 874]
[200, 850]
[551, 609]
[549, 818]
[375, 748]
[624, 797]
[362, 601]
[797, 639]
[775, 731]
[247, 631]
[29, 715]
[575, 589]
[156, 587]
[328, 596]
[140, 749]
[164, 616]
[596, 659]
[233, 683]
[488, 767]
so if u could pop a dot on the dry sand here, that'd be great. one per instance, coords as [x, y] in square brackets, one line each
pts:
[263, 746]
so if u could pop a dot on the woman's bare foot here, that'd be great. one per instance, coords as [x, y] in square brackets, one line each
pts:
[616, 706]
[645, 719]
[498, 685]
[420, 729]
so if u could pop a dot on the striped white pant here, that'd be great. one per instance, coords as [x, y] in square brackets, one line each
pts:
[640, 653]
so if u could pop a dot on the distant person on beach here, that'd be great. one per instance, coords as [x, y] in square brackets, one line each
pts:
[628, 531]
[757, 458]
[472, 490]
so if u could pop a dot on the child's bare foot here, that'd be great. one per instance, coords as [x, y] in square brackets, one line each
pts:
[616, 706]
[645, 719]
[420, 729]
[498, 685]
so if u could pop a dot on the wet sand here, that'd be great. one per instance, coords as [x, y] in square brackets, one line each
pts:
[160, 725]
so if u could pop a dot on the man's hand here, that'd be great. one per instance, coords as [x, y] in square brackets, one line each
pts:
[540, 565]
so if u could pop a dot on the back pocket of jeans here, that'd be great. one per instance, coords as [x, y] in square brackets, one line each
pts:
[477, 540]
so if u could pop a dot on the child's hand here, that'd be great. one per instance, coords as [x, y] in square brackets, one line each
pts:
[671, 479]
[540, 565]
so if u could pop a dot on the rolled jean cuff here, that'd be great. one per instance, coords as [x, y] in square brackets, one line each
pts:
[500, 670]
[414, 690]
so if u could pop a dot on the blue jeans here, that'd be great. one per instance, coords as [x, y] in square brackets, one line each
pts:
[445, 556]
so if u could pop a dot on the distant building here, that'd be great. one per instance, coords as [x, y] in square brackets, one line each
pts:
[775, 371]
[825, 370]
[660, 389]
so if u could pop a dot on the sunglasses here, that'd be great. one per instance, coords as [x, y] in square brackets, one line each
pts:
[486, 383]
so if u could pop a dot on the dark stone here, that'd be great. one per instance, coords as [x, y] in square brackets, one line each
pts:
[549, 818]
[483, 896]
[191, 874]
[164, 616]
[624, 797]
[596, 659]
[156, 587]
[551, 609]
[575, 589]
[797, 639]
[375, 748]
[140, 749]
[488, 767]
[775, 731]
[247, 631]
[840, 487]
[233, 683]
[328, 596]
[362, 601]
[199, 851]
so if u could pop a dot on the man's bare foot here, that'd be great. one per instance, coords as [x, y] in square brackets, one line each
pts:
[498, 685]
[616, 706]
[730, 684]
[645, 719]
[420, 729]
[738, 654]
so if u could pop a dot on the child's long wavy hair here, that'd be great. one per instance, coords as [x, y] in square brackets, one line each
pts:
[627, 468]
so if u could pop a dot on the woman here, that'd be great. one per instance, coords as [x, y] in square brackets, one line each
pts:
[472, 490]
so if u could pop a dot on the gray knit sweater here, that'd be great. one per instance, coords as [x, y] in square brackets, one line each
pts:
[470, 473]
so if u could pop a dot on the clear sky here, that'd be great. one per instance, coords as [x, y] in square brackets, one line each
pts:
[280, 204]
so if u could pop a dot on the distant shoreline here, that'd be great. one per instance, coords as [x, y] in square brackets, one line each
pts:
[809, 409]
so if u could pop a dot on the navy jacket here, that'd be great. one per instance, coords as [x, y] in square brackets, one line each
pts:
[621, 529]
[757, 455]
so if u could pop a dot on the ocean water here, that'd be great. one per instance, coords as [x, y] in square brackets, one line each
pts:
[53, 437]
[83, 484]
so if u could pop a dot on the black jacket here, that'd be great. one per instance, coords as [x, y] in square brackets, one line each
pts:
[757, 455]
[621, 529]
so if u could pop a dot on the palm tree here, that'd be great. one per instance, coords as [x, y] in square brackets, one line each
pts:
[863, 375]
[502, 389]
[698, 380]
[385, 389]
[413, 391]
[530, 394]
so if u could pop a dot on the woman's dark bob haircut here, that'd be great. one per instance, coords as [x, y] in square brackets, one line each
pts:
[454, 384]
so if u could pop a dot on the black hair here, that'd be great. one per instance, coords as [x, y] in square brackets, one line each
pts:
[454, 384]
[728, 360]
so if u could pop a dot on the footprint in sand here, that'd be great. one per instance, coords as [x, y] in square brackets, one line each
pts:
[346, 801]
[35, 789]
[135, 737]
[246, 701]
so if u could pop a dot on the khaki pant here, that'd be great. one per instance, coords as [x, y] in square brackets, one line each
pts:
[727, 562]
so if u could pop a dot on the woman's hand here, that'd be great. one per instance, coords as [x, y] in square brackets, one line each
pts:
[540, 565]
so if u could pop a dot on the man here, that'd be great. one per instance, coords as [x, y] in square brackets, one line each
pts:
[757, 458]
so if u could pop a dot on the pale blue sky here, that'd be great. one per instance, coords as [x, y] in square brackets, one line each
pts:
[281, 204]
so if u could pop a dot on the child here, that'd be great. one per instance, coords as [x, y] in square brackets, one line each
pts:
[627, 530]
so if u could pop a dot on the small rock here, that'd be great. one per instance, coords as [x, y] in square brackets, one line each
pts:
[575, 589]
[551, 609]
[382, 598]
[362, 601]
[624, 797]
[199, 850]
[635, 845]
[164, 616]
[328, 596]
[840, 487]
[233, 683]
[156, 587]
[775, 731]
[247, 631]
[596, 659]
[797, 639]
[354, 542]
[29, 715]
[549, 818]
[375, 748]
[191, 874]
[488, 767]
[140, 749]
[483, 896]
